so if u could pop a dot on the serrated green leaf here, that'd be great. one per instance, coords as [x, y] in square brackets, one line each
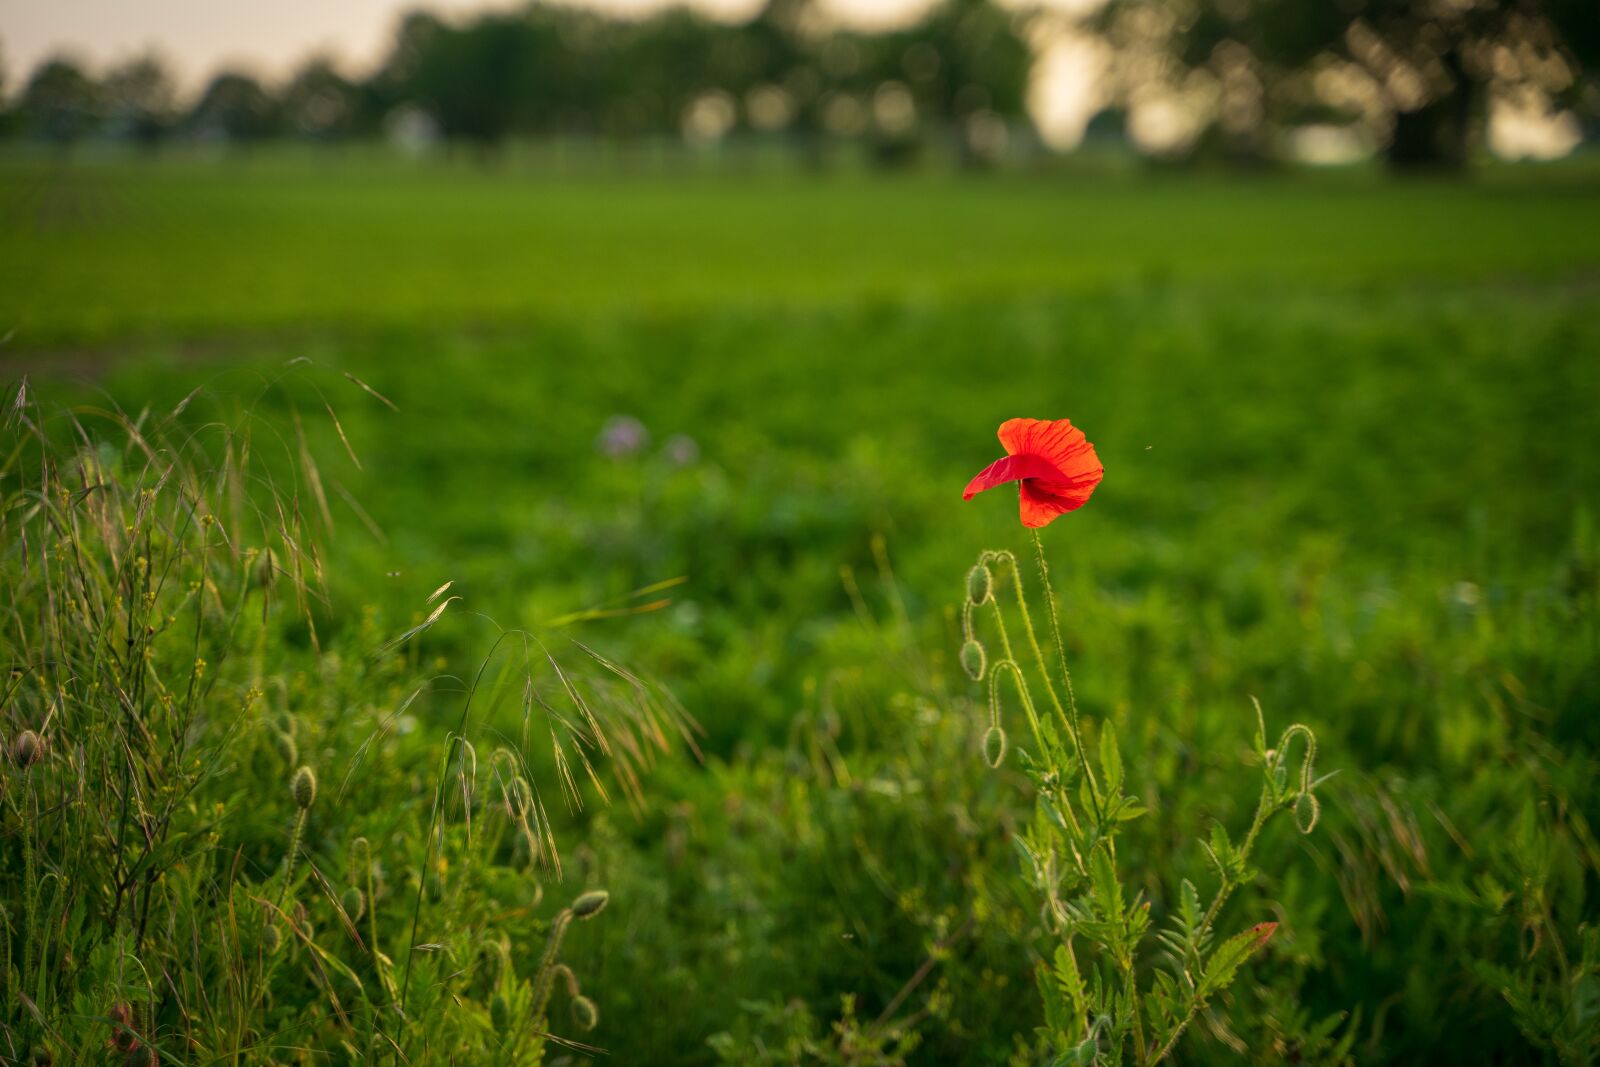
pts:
[1221, 849]
[1070, 982]
[1110, 760]
[1107, 889]
[1189, 905]
[1224, 963]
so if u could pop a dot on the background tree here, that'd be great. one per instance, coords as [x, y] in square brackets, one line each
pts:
[235, 108]
[8, 118]
[1419, 71]
[140, 101]
[962, 70]
[321, 104]
[60, 103]
[968, 66]
[467, 76]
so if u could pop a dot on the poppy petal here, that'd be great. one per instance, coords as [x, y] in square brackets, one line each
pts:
[1011, 469]
[1040, 509]
[1057, 440]
[1044, 502]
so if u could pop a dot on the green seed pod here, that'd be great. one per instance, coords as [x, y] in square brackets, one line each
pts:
[500, 1013]
[590, 904]
[288, 751]
[1307, 809]
[303, 787]
[361, 853]
[354, 903]
[994, 746]
[980, 584]
[584, 1013]
[973, 660]
[27, 749]
[271, 939]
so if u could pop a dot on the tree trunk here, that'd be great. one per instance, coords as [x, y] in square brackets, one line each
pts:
[1438, 135]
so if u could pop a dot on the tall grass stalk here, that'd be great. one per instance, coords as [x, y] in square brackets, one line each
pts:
[164, 637]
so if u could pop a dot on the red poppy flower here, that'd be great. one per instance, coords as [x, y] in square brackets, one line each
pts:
[1054, 462]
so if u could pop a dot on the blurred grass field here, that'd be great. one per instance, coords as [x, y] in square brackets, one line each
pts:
[1352, 466]
[99, 253]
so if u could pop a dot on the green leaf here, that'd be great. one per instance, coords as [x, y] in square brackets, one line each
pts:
[1225, 962]
[1221, 850]
[1107, 890]
[1189, 910]
[1069, 984]
[1586, 999]
[1110, 760]
[1081, 1055]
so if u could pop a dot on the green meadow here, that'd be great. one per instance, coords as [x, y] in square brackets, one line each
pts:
[1352, 471]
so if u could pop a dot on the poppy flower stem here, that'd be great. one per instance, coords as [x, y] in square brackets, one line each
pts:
[1008, 664]
[1070, 722]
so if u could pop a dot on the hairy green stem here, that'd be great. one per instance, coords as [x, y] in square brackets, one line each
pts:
[1224, 890]
[294, 856]
[1066, 674]
[545, 978]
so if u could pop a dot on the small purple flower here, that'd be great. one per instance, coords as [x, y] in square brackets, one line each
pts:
[621, 436]
[681, 450]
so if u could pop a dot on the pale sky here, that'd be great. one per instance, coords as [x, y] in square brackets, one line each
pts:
[198, 36]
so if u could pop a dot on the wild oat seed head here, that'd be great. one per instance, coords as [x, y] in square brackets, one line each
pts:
[590, 904]
[266, 569]
[303, 787]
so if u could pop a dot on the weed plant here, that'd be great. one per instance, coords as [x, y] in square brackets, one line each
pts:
[226, 841]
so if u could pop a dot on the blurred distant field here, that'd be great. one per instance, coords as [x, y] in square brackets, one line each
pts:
[1353, 468]
[98, 253]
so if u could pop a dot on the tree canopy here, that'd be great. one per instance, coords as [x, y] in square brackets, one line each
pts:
[1418, 73]
[957, 75]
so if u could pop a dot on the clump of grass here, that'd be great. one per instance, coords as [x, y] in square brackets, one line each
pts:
[188, 757]
[1104, 1001]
